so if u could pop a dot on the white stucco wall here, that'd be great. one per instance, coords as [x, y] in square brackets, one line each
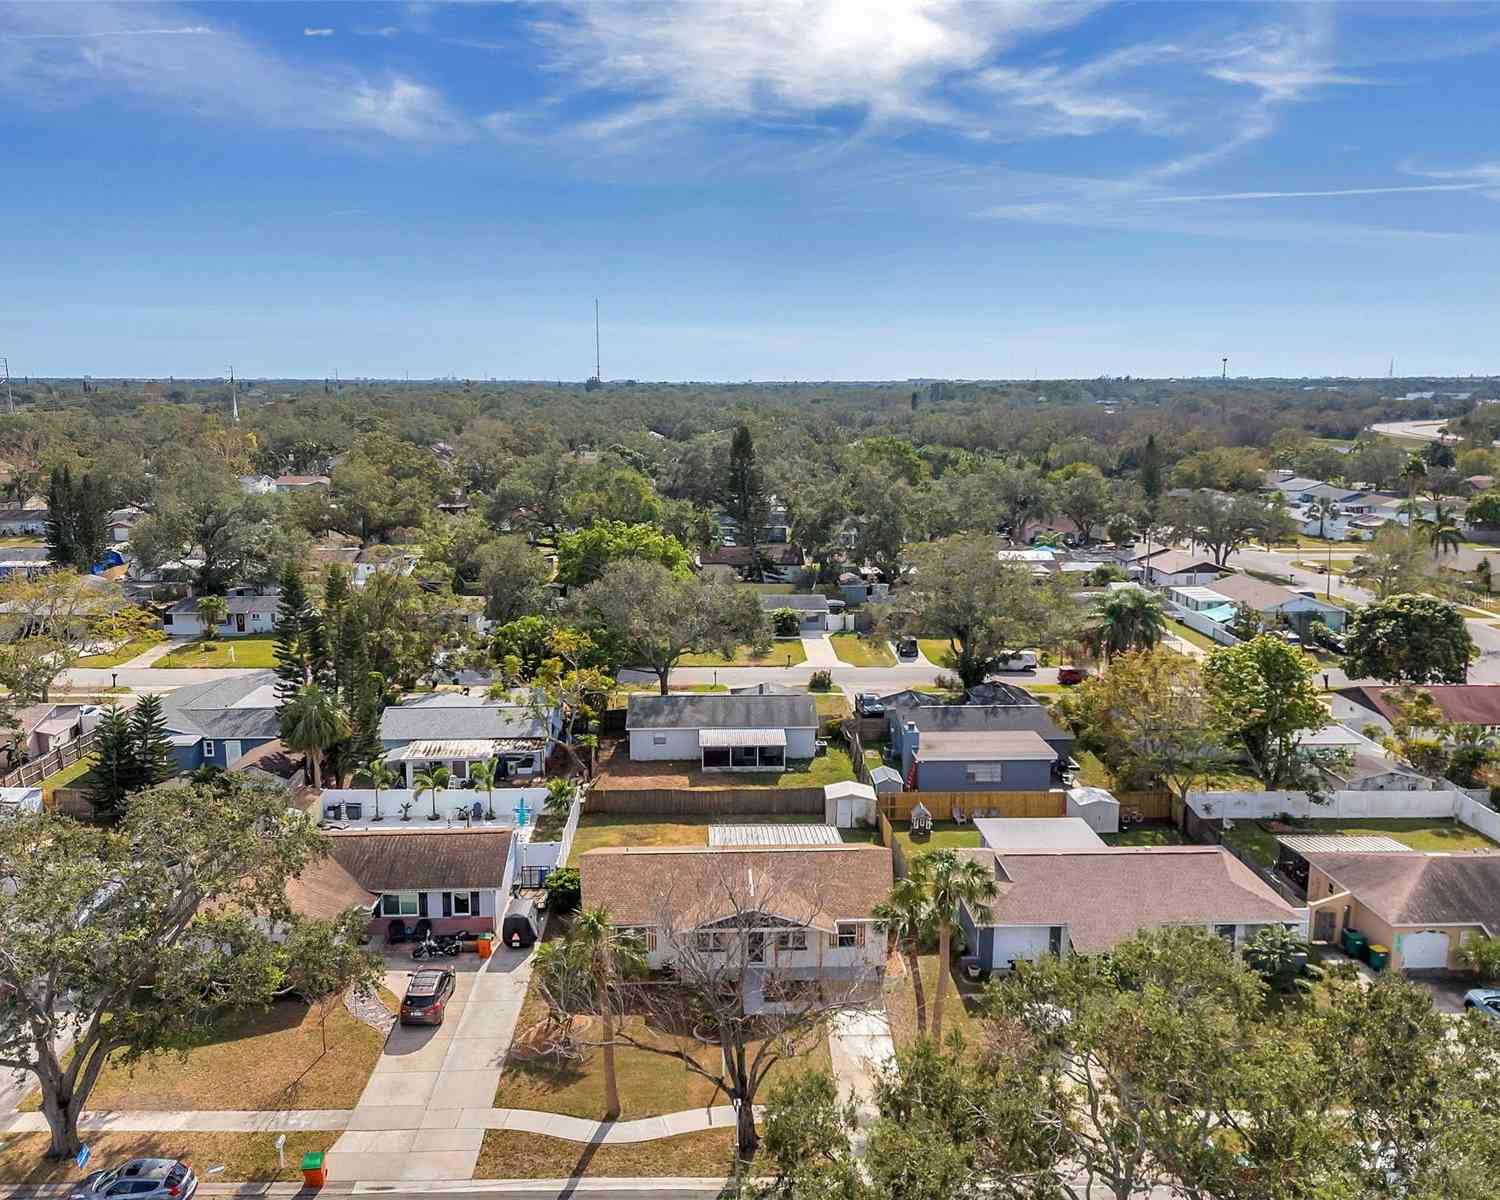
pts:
[682, 744]
[1022, 941]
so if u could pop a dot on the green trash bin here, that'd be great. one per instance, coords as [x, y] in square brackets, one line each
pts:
[313, 1175]
[1356, 944]
[1379, 956]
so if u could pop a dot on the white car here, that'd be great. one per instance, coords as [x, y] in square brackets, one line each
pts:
[1020, 660]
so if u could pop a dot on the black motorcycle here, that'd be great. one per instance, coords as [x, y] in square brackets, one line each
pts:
[447, 944]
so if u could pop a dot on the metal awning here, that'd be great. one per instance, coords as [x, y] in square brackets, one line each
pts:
[470, 748]
[714, 738]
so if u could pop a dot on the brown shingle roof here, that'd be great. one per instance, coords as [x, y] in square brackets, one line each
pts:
[815, 885]
[448, 858]
[1421, 889]
[1464, 703]
[325, 890]
[1106, 896]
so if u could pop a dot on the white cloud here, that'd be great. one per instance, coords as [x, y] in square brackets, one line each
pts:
[1364, 191]
[317, 33]
[190, 30]
[61, 52]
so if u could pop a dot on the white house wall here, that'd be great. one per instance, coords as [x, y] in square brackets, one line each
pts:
[682, 744]
[1028, 942]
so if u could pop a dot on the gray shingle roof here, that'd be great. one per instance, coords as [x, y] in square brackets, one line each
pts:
[268, 602]
[721, 712]
[412, 722]
[1421, 889]
[243, 706]
[796, 603]
[977, 718]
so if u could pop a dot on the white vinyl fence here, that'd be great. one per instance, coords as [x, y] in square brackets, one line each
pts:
[1196, 620]
[1346, 804]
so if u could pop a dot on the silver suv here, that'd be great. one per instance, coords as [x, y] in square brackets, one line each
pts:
[141, 1179]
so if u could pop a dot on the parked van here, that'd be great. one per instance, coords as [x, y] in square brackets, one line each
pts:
[522, 925]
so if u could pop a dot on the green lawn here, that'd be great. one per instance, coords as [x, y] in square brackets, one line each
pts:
[960, 1002]
[115, 657]
[1420, 833]
[831, 704]
[1202, 641]
[1093, 773]
[67, 776]
[937, 651]
[606, 829]
[946, 835]
[1146, 835]
[244, 1156]
[862, 652]
[834, 767]
[251, 650]
[787, 652]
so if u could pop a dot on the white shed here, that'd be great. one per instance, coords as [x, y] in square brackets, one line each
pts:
[848, 804]
[1096, 806]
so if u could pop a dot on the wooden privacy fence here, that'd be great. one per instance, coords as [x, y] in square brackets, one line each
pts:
[897, 806]
[1153, 806]
[706, 802]
[71, 802]
[32, 773]
[888, 839]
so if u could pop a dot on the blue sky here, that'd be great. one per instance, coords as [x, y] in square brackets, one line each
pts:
[754, 190]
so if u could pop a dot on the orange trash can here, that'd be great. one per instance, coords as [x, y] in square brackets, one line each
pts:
[484, 947]
[313, 1172]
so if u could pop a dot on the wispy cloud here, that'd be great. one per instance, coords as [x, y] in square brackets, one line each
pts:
[1364, 191]
[317, 32]
[63, 52]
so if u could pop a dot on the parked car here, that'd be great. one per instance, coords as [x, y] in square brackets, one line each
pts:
[1068, 676]
[1018, 660]
[906, 648]
[141, 1179]
[427, 996]
[867, 704]
[1485, 1000]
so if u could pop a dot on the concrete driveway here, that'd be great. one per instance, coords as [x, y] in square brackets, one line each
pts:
[407, 1123]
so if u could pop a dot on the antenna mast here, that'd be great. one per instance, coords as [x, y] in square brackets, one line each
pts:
[234, 398]
[10, 400]
[1225, 375]
[598, 370]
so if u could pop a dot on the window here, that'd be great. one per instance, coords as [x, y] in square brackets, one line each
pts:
[166, 618]
[849, 935]
[792, 941]
[658, 739]
[461, 904]
[208, 749]
[709, 943]
[399, 904]
[643, 934]
[1226, 932]
[986, 773]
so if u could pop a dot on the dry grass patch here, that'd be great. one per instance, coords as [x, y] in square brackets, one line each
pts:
[508, 1154]
[605, 830]
[245, 1156]
[901, 1000]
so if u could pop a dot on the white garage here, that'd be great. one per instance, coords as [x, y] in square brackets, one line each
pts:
[1425, 951]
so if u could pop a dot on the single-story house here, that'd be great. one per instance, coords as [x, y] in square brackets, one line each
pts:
[1036, 833]
[297, 483]
[1179, 568]
[811, 908]
[857, 589]
[454, 730]
[1269, 600]
[1461, 703]
[16, 801]
[459, 879]
[29, 561]
[973, 718]
[1040, 560]
[1358, 763]
[217, 723]
[1422, 906]
[121, 521]
[991, 760]
[812, 611]
[248, 610]
[43, 728]
[1086, 901]
[257, 485]
[723, 733]
[782, 562]
[19, 520]
[767, 689]
[1295, 489]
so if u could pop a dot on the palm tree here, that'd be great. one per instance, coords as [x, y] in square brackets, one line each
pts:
[213, 611]
[1323, 508]
[433, 780]
[598, 950]
[1129, 618]
[381, 776]
[1486, 575]
[907, 914]
[482, 775]
[949, 881]
[311, 721]
[1442, 529]
[1414, 472]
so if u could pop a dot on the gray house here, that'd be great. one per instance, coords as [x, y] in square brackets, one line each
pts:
[973, 718]
[212, 724]
[723, 733]
[812, 611]
[998, 760]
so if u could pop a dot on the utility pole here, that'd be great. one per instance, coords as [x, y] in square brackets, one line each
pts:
[234, 398]
[10, 400]
[1225, 375]
[598, 370]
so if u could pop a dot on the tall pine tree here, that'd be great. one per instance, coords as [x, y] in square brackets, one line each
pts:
[114, 774]
[150, 746]
[745, 498]
[301, 645]
[77, 520]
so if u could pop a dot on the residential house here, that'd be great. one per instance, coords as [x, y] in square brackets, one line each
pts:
[1040, 560]
[902, 723]
[795, 912]
[217, 723]
[994, 760]
[23, 521]
[40, 729]
[1270, 601]
[1179, 568]
[29, 561]
[300, 483]
[812, 611]
[456, 730]
[1422, 906]
[1354, 763]
[780, 563]
[1087, 901]
[248, 610]
[121, 521]
[1294, 489]
[1460, 703]
[723, 733]
[257, 485]
[862, 589]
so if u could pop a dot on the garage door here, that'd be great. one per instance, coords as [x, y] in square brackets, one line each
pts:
[1424, 951]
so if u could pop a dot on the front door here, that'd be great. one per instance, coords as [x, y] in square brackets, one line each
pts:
[232, 752]
[239, 622]
[757, 947]
[1323, 926]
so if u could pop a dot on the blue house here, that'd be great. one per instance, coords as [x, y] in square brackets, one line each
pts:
[213, 724]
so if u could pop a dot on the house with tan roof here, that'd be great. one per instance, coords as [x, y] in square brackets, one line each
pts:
[800, 912]
[1086, 901]
[1423, 907]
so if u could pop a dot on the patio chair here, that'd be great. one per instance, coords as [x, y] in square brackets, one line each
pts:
[958, 815]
